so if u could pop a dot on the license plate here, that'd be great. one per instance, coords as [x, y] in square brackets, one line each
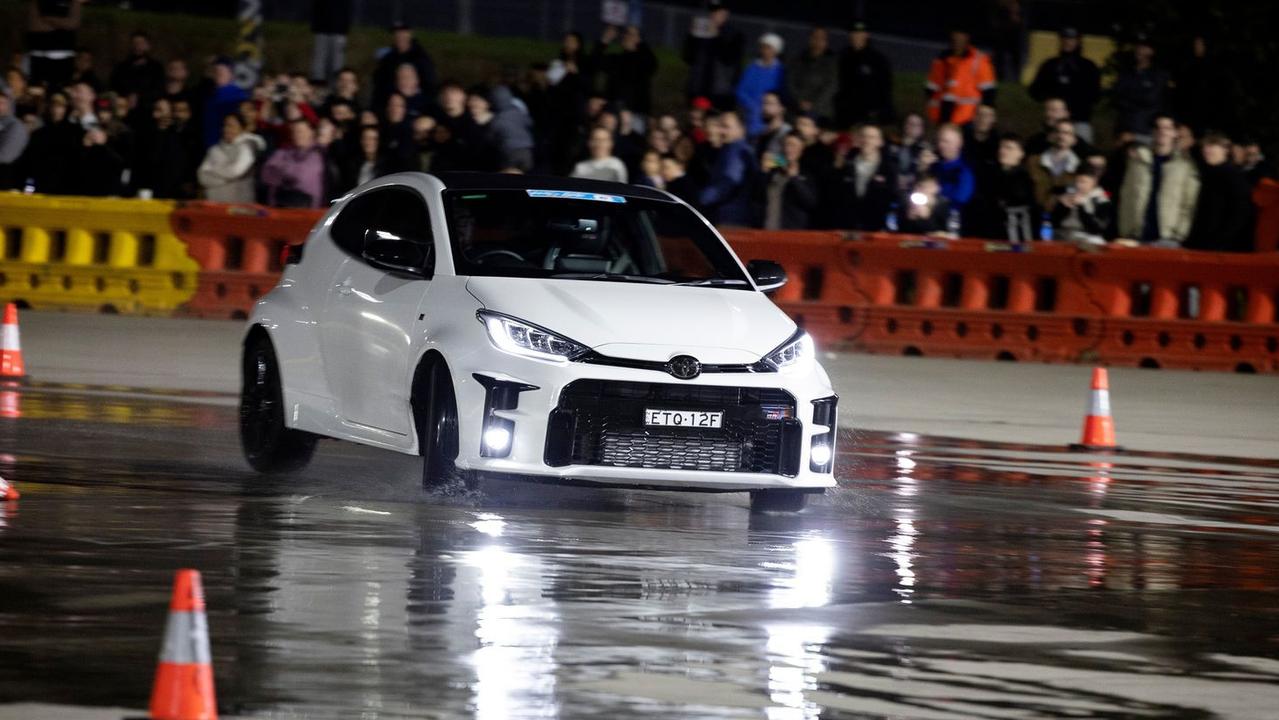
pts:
[683, 418]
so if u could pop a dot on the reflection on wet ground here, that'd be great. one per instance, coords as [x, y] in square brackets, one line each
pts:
[942, 579]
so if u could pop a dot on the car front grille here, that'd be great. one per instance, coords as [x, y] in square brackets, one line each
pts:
[602, 423]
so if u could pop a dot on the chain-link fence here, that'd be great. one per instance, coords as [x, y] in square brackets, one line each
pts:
[664, 24]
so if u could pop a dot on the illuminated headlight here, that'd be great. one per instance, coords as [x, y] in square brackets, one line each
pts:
[520, 338]
[798, 347]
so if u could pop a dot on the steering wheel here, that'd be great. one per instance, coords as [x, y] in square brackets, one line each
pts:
[493, 253]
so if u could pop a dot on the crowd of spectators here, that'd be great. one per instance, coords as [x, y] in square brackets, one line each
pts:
[805, 140]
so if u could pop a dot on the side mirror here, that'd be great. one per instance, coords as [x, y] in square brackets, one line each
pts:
[413, 257]
[768, 275]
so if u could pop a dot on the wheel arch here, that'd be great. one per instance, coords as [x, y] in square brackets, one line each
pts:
[256, 332]
[419, 388]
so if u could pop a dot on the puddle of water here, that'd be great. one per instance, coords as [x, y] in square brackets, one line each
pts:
[942, 579]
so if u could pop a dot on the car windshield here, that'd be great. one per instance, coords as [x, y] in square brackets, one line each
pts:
[585, 236]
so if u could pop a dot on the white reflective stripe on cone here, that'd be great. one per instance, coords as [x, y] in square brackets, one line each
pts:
[9, 337]
[186, 639]
[1099, 403]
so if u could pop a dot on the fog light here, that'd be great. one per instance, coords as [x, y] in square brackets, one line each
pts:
[820, 455]
[497, 439]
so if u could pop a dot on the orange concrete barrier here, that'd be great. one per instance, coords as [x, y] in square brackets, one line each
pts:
[239, 250]
[1050, 302]
[1266, 198]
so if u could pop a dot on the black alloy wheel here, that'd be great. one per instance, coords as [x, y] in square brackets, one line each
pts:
[269, 445]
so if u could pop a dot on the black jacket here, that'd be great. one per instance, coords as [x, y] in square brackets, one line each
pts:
[865, 87]
[870, 211]
[1224, 213]
[1071, 77]
[628, 76]
[1095, 218]
[798, 199]
[1000, 189]
[98, 172]
[714, 65]
[164, 160]
[935, 222]
[331, 17]
[1139, 95]
[50, 158]
[384, 74]
[142, 75]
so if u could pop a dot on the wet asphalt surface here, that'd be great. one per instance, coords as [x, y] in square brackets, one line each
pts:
[942, 579]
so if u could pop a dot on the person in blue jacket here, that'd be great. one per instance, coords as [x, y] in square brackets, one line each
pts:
[224, 100]
[726, 198]
[764, 75]
[955, 176]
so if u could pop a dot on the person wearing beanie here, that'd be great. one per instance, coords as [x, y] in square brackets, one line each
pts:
[764, 75]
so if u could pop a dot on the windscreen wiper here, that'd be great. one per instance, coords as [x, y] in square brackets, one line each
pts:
[614, 276]
[713, 282]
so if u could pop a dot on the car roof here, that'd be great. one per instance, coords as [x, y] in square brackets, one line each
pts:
[507, 181]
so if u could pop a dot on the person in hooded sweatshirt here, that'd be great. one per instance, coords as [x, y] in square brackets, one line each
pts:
[50, 157]
[1224, 214]
[226, 175]
[511, 131]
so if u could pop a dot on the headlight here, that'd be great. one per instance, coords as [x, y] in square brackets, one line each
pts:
[521, 338]
[798, 347]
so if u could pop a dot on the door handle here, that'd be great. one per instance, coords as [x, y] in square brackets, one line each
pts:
[344, 288]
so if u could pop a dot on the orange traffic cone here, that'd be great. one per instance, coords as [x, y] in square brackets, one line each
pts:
[1099, 427]
[11, 367]
[183, 687]
[8, 491]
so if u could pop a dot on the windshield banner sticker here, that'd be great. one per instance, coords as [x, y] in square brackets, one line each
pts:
[574, 195]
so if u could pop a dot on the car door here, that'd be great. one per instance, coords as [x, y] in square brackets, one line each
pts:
[370, 315]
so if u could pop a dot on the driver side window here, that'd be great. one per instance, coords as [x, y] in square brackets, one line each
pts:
[398, 211]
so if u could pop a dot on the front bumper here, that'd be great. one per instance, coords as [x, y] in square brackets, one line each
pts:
[542, 384]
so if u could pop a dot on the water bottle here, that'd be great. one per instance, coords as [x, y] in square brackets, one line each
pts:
[952, 223]
[1046, 228]
[890, 222]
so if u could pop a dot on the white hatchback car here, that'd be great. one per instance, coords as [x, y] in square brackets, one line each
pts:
[564, 330]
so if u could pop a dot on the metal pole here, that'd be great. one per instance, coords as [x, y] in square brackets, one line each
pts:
[248, 49]
[465, 21]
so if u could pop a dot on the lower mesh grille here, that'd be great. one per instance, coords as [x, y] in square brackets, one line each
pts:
[598, 423]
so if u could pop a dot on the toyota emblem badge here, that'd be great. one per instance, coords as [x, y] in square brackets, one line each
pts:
[684, 367]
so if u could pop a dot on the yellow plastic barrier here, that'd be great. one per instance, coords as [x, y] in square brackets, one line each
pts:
[79, 253]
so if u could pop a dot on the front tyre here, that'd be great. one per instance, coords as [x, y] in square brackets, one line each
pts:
[778, 501]
[269, 445]
[436, 415]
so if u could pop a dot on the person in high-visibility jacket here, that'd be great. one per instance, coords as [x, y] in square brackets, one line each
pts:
[961, 79]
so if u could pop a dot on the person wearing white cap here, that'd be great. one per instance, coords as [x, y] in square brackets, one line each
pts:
[764, 75]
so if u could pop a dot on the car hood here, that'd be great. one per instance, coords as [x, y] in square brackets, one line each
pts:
[643, 321]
